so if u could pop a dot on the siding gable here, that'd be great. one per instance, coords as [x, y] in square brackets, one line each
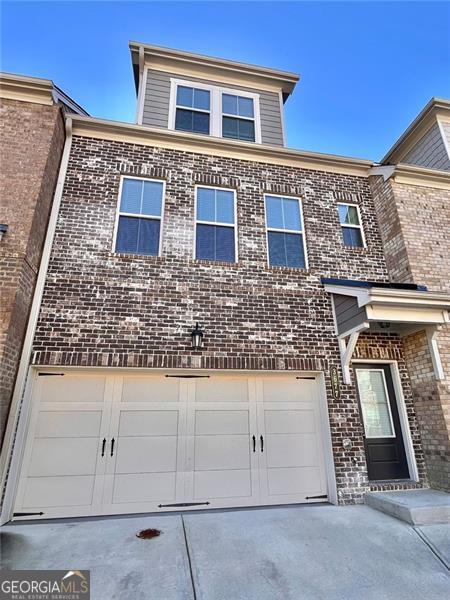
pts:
[430, 151]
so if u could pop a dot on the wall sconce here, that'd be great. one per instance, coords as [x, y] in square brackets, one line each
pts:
[197, 338]
[3, 230]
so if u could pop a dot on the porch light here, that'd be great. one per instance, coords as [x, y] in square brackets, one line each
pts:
[385, 324]
[197, 337]
[3, 230]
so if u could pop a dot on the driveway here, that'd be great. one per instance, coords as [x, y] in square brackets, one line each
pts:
[295, 553]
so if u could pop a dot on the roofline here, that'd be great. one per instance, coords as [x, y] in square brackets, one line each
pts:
[391, 285]
[204, 144]
[36, 90]
[413, 175]
[426, 115]
[288, 78]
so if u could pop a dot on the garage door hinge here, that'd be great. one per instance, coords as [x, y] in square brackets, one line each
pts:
[27, 514]
[190, 376]
[183, 504]
[315, 497]
[51, 374]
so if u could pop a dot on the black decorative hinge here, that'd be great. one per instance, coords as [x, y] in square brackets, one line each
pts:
[27, 514]
[51, 374]
[182, 504]
[190, 376]
[315, 497]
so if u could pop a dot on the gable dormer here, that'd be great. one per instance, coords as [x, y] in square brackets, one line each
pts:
[210, 96]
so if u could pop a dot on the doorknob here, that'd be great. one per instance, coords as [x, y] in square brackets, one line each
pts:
[254, 443]
[112, 446]
[261, 439]
[103, 446]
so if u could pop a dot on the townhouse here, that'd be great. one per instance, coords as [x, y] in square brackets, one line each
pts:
[222, 321]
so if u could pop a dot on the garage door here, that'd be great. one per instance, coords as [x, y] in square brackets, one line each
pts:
[110, 444]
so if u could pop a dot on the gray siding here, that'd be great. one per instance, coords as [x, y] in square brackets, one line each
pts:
[157, 96]
[348, 313]
[429, 152]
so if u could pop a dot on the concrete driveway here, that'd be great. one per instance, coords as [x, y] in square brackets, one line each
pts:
[295, 553]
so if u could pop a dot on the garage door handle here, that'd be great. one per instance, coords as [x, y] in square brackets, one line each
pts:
[261, 439]
[112, 446]
[254, 443]
[103, 446]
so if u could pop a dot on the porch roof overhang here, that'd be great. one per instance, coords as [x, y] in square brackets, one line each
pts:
[385, 307]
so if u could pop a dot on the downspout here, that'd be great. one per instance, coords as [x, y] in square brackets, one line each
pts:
[10, 461]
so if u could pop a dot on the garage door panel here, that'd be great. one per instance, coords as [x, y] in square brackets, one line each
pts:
[291, 450]
[150, 389]
[68, 424]
[46, 492]
[144, 487]
[146, 454]
[221, 452]
[73, 389]
[288, 390]
[63, 456]
[296, 480]
[210, 485]
[220, 389]
[213, 422]
[289, 421]
[148, 423]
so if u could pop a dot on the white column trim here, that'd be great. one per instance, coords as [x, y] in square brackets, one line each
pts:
[434, 352]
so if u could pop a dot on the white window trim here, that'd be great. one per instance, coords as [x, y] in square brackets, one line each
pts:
[297, 232]
[215, 108]
[119, 213]
[386, 393]
[360, 226]
[219, 224]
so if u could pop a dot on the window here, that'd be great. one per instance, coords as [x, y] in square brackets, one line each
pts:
[215, 237]
[285, 235]
[192, 109]
[351, 225]
[375, 405]
[214, 110]
[139, 217]
[238, 118]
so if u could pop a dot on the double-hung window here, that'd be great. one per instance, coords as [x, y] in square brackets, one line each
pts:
[238, 117]
[139, 217]
[192, 112]
[350, 220]
[285, 233]
[215, 230]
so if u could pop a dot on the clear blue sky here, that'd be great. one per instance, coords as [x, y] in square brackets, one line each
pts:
[367, 68]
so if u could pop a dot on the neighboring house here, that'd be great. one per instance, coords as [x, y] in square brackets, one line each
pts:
[314, 373]
[32, 137]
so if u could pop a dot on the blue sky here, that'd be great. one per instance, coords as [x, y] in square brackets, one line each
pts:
[367, 68]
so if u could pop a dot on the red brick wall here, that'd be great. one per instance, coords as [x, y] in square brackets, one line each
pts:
[104, 309]
[31, 141]
[415, 225]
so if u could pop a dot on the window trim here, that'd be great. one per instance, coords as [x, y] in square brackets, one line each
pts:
[302, 232]
[218, 224]
[215, 108]
[119, 213]
[360, 226]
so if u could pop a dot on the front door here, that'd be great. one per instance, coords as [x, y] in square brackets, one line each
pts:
[385, 449]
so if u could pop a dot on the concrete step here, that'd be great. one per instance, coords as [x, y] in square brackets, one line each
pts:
[417, 507]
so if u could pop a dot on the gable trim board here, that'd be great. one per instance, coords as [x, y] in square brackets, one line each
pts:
[413, 175]
[289, 465]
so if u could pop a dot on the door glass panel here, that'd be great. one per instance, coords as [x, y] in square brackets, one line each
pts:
[375, 406]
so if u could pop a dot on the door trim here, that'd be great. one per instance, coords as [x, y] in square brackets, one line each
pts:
[403, 415]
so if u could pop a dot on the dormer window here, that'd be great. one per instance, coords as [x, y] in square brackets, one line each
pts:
[192, 109]
[213, 110]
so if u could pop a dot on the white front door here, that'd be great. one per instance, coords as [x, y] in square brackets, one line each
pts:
[109, 444]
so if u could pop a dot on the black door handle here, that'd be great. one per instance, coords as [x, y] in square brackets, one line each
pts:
[254, 443]
[103, 446]
[261, 439]
[112, 446]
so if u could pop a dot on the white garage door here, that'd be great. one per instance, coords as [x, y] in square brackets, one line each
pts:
[109, 444]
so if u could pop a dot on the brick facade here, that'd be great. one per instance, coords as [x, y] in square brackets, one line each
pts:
[414, 224]
[31, 142]
[104, 309]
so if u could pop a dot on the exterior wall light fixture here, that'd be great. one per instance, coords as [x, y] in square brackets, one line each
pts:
[385, 324]
[197, 338]
[3, 230]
